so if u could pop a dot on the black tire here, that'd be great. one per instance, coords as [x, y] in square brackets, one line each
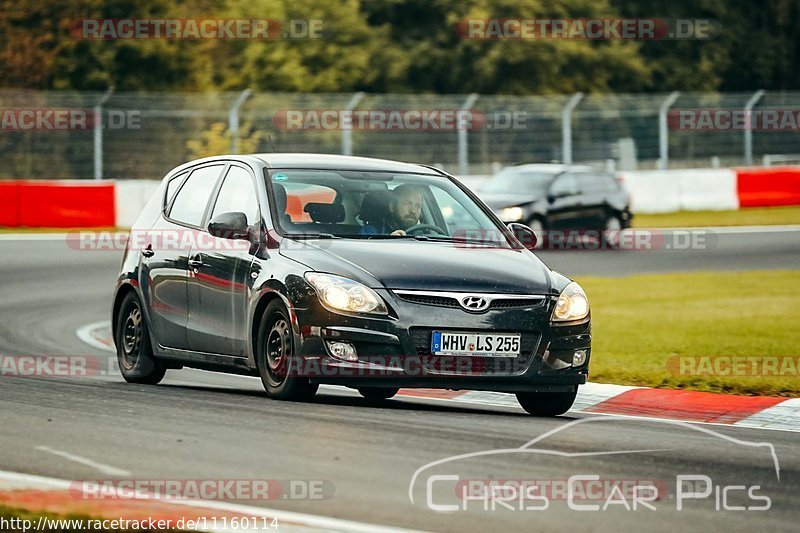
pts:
[377, 393]
[274, 353]
[134, 351]
[611, 231]
[546, 403]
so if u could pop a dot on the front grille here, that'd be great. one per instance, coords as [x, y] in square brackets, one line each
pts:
[424, 298]
[513, 303]
[465, 365]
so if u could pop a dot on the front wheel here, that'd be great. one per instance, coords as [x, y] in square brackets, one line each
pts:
[537, 226]
[274, 356]
[377, 393]
[547, 403]
[134, 351]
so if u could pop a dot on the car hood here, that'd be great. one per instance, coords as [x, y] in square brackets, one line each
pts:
[500, 200]
[421, 265]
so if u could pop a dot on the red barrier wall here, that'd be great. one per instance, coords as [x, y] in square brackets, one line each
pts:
[56, 204]
[9, 203]
[765, 187]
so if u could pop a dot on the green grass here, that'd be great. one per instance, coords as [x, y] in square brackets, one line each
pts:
[751, 216]
[639, 322]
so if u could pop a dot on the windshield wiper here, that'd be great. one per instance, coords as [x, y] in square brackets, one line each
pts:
[445, 238]
[312, 236]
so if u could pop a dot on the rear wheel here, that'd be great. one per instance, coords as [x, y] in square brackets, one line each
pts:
[546, 403]
[612, 231]
[134, 351]
[377, 393]
[274, 356]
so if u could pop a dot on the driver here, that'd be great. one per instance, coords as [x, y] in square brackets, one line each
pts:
[404, 211]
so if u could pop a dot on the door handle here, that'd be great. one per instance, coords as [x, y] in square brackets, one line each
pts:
[196, 261]
[147, 251]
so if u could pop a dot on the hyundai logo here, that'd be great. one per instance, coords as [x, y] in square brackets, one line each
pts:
[474, 303]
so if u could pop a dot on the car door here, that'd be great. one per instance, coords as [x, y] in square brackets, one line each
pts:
[592, 186]
[165, 253]
[219, 279]
[564, 202]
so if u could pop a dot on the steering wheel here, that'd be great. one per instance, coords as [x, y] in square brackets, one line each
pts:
[418, 229]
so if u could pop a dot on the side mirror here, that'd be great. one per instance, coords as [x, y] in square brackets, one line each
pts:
[524, 235]
[229, 226]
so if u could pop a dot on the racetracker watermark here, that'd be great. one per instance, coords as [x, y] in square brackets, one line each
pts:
[53, 366]
[444, 120]
[628, 239]
[406, 366]
[154, 241]
[734, 365]
[203, 489]
[577, 488]
[196, 29]
[60, 119]
[148, 524]
[734, 120]
[586, 29]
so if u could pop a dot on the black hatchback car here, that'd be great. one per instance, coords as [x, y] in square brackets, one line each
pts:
[559, 198]
[309, 269]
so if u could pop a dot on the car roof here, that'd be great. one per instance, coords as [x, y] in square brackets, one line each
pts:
[341, 162]
[548, 168]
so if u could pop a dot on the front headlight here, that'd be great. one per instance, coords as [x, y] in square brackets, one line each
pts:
[511, 214]
[572, 304]
[342, 294]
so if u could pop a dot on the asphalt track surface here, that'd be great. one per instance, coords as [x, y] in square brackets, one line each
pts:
[199, 425]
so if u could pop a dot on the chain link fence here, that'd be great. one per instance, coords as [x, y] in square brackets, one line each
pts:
[142, 135]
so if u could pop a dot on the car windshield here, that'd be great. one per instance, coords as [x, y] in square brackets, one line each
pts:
[376, 205]
[514, 181]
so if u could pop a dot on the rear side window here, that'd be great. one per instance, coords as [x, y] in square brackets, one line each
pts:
[597, 182]
[238, 194]
[191, 201]
[172, 188]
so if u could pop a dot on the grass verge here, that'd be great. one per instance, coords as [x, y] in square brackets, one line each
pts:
[640, 322]
[749, 216]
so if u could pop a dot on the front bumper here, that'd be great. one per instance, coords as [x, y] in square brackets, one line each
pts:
[394, 352]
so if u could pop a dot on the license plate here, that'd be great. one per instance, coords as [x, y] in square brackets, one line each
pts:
[476, 344]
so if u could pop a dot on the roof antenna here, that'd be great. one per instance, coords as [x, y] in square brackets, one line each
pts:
[272, 144]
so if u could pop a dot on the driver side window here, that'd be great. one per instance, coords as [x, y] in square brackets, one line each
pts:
[238, 194]
[565, 185]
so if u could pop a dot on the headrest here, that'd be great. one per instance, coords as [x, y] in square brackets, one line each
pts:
[280, 197]
[327, 213]
[375, 206]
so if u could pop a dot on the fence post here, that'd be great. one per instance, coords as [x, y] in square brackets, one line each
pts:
[748, 127]
[663, 131]
[97, 124]
[566, 127]
[463, 148]
[347, 123]
[233, 119]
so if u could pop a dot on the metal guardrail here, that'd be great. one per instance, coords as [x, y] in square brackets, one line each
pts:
[145, 134]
